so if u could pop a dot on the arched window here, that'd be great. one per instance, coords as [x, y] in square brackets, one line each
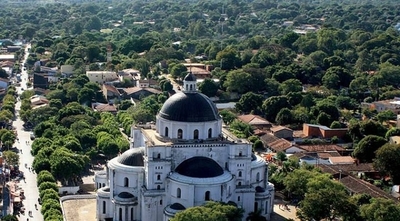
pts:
[240, 153]
[120, 214]
[178, 193]
[158, 177]
[158, 187]
[240, 183]
[191, 87]
[180, 133]
[166, 131]
[187, 88]
[209, 133]
[255, 206]
[238, 198]
[126, 182]
[258, 177]
[207, 196]
[158, 156]
[240, 173]
[160, 202]
[196, 134]
[104, 207]
[132, 213]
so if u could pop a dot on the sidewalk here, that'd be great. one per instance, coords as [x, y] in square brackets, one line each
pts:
[281, 214]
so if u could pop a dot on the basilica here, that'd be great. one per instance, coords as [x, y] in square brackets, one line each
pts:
[183, 160]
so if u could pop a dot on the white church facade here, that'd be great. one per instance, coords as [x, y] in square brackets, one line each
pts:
[182, 161]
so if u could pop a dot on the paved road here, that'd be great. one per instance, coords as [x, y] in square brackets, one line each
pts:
[29, 186]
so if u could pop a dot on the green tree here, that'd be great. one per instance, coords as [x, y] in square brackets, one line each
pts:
[394, 131]
[9, 217]
[335, 125]
[211, 211]
[249, 102]
[325, 199]
[284, 117]
[66, 164]
[11, 158]
[45, 176]
[208, 87]
[380, 210]
[238, 81]
[291, 85]
[273, 105]
[256, 216]
[227, 116]
[386, 115]
[178, 71]
[388, 162]
[365, 150]
[296, 181]
[240, 129]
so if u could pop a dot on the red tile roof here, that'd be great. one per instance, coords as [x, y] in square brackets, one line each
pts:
[321, 147]
[253, 119]
[280, 145]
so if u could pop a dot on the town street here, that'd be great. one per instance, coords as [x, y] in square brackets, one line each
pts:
[29, 185]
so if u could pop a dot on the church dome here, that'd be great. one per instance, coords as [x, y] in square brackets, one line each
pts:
[132, 157]
[190, 77]
[177, 206]
[199, 167]
[189, 107]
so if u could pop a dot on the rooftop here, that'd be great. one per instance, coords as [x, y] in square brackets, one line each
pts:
[279, 128]
[321, 147]
[253, 119]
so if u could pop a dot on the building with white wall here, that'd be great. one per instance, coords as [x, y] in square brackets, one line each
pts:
[182, 161]
[101, 77]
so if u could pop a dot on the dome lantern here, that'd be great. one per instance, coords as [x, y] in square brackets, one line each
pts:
[189, 83]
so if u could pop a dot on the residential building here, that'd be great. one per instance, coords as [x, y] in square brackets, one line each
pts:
[38, 101]
[43, 80]
[12, 48]
[199, 70]
[148, 83]
[101, 77]
[394, 139]
[4, 83]
[282, 145]
[320, 131]
[7, 57]
[183, 160]
[392, 105]
[67, 70]
[104, 108]
[354, 184]
[138, 93]
[110, 92]
[255, 121]
[282, 132]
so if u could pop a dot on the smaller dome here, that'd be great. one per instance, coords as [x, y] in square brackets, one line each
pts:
[177, 206]
[125, 195]
[199, 167]
[132, 157]
[106, 189]
[259, 189]
[190, 77]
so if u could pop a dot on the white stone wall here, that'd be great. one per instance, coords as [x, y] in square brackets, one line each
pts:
[188, 128]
